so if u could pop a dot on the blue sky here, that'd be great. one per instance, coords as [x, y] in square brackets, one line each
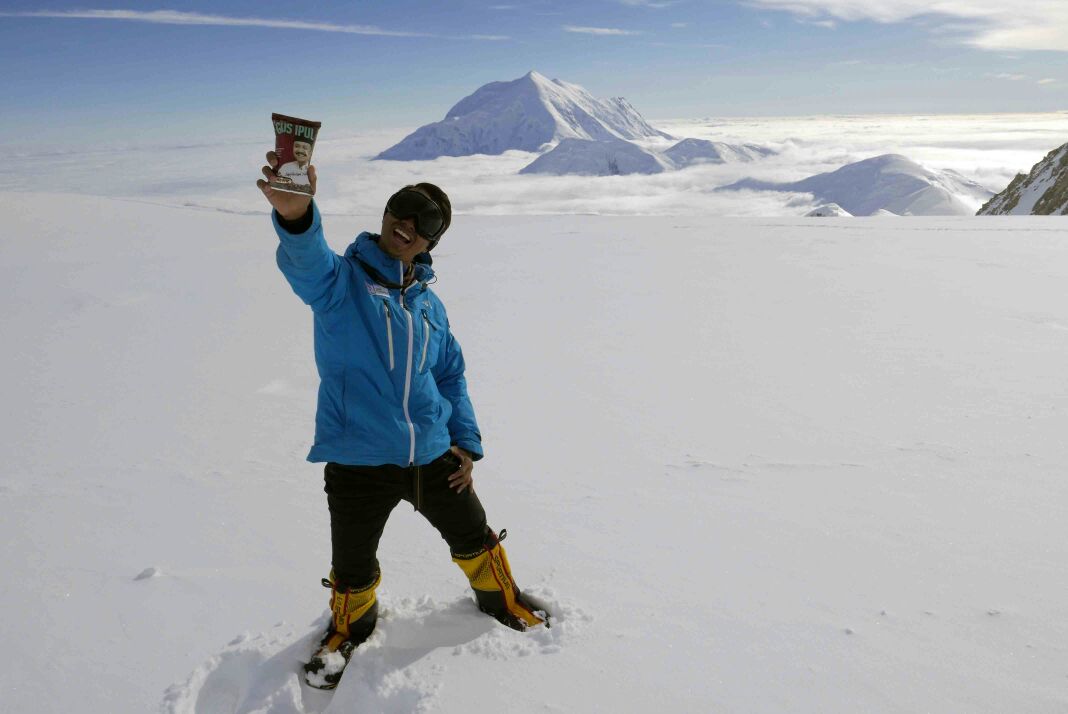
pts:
[89, 72]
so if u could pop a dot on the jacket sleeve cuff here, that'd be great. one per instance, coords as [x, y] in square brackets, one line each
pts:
[297, 226]
[472, 447]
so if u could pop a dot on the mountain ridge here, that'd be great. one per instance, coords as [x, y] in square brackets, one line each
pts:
[525, 114]
[690, 152]
[616, 157]
[583, 157]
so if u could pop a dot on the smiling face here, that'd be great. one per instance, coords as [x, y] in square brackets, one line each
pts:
[301, 152]
[399, 238]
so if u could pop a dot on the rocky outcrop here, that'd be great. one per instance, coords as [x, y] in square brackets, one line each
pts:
[1042, 192]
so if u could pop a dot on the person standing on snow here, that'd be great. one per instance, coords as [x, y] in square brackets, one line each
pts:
[394, 420]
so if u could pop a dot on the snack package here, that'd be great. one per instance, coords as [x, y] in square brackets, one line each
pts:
[294, 140]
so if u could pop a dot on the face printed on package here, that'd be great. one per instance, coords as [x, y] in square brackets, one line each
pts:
[302, 152]
[294, 140]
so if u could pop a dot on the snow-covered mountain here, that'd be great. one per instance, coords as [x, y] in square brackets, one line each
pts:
[891, 182]
[613, 157]
[523, 114]
[828, 210]
[1043, 192]
[701, 151]
[596, 158]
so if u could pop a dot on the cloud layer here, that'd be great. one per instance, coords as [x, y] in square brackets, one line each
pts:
[989, 149]
[987, 24]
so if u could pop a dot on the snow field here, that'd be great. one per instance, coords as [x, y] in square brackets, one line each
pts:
[753, 465]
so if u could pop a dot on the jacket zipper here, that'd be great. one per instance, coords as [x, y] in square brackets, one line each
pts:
[389, 332]
[408, 374]
[426, 341]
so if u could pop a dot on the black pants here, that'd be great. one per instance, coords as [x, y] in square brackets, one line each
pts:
[361, 498]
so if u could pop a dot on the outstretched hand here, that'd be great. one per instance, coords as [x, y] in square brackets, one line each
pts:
[290, 206]
[461, 479]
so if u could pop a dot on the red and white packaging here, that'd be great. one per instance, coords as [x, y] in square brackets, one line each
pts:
[294, 140]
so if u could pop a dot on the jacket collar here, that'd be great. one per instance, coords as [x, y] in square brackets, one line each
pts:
[384, 268]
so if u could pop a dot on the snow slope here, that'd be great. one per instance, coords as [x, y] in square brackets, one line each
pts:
[524, 114]
[821, 472]
[596, 158]
[615, 157]
[689, 152]
[828, 210]
[890, 182]
[1043, 191]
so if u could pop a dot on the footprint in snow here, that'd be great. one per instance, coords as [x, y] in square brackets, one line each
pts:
[387, 674]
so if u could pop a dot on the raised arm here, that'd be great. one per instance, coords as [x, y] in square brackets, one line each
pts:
[312, 269]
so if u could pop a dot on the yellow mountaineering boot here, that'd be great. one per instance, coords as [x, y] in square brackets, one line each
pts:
[354, 612]
[495, 590]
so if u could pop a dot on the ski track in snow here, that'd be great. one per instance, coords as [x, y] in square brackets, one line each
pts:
[399, 670]
[1042, 321]
[754, 466]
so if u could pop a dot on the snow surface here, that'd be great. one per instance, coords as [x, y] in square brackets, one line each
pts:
[890, 182]
[821, 472]
[524, 114]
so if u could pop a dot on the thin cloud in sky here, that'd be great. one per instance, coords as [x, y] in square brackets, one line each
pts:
[825, 24]
[986, 24]
[696, 45]
[599, 30]
[176, 17]
[1012, 77]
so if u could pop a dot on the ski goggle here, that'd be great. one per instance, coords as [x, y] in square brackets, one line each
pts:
[409, 203]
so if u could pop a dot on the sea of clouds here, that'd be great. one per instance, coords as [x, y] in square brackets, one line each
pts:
[990, 149]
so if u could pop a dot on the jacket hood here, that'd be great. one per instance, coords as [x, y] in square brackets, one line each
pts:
[365, 249]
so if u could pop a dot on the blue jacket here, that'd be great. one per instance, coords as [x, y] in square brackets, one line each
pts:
[391, 375]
